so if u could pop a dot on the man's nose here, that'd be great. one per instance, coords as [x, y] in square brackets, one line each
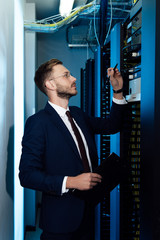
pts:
[73, 78]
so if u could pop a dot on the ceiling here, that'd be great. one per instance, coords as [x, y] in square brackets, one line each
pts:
[48, 8]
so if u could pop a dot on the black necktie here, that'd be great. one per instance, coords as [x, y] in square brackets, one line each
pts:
[80, 143]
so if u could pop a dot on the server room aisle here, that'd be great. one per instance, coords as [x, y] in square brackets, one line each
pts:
[34, 235]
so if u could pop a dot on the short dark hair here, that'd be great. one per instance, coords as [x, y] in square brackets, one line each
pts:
[43, 72]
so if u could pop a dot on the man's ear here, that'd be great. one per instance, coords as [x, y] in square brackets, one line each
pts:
[50, 85]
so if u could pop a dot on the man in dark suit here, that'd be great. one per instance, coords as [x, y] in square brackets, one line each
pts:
[51, 159]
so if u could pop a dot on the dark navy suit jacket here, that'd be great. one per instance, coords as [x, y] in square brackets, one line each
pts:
[49, 153]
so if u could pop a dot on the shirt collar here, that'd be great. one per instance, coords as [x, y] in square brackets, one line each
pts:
[60, 110]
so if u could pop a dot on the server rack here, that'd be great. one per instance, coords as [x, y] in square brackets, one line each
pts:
[150, 119]
[98, 99]
[102, 109]
[87, 87]
[140, 140]
[131, 135]
[130, 191]
[95, 97]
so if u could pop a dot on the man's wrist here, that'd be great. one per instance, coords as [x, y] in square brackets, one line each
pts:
[118, 91]
[118, 95]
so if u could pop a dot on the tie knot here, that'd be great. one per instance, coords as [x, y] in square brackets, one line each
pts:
[68, 114]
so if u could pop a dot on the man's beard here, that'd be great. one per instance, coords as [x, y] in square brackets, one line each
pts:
[63, 93]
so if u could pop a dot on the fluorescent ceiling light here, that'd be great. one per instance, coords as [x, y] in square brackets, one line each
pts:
[65, 7]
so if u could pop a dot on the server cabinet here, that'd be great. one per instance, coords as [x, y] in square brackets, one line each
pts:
[130, 140]
[87, 87]
[102, 109]
[150, 121]
[95, 96]
[139, 140]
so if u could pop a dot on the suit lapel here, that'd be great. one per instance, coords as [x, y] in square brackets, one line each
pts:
[58, 122]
